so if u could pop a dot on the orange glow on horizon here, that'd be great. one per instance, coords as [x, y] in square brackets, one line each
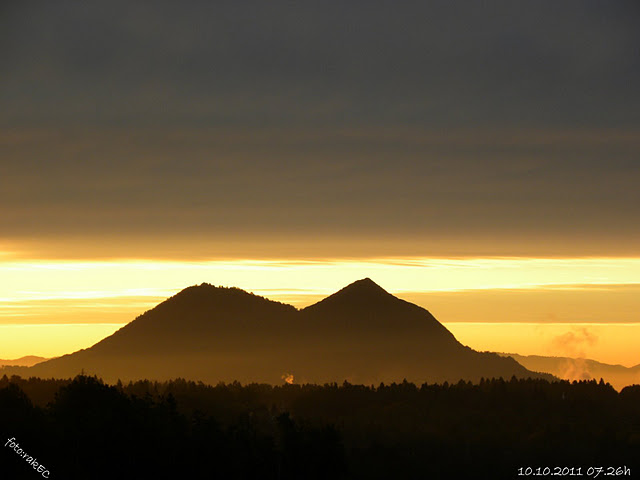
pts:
[506, 290]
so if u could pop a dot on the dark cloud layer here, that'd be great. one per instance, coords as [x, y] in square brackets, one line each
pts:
[331, 62]
[579, 187]
[450, 120]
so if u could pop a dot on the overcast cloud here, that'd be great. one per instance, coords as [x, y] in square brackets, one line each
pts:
[415, 119]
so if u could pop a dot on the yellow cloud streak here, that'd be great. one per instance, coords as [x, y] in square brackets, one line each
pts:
[37, 280]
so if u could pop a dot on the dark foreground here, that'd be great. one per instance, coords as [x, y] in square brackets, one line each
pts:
[85, 429]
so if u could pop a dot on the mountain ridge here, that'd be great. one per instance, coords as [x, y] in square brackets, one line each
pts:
[569, 368]
[361, 333]
[25, 361]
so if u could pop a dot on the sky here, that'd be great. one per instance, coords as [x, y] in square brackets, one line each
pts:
[478, 158]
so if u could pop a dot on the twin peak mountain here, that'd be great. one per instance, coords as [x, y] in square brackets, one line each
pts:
[362, 334]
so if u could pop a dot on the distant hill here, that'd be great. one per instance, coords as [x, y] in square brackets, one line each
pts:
[361, 333]
[567, 368]
[27, 361]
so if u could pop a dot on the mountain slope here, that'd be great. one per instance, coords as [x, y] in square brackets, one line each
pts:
[202, 317]
[361, 333]
[365, 306]
[375, 335]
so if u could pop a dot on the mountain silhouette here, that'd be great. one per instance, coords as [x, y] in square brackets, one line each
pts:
[366, 308]
[201, 318]
[571, 369]
[374, 335]
[361, 333]
[27, 361]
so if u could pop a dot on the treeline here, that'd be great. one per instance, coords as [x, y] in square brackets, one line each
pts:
[82, 428]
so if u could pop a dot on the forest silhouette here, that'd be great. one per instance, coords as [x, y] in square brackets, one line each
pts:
[84, 428]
